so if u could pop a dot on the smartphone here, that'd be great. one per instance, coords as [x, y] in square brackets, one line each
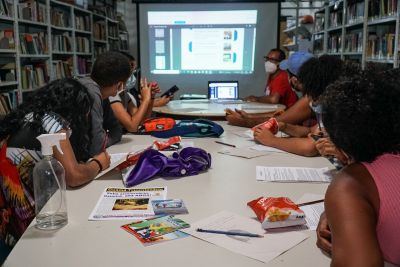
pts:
[316, 137]
[170, 91]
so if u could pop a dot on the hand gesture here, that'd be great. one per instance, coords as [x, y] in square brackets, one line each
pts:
[263, 136]
[251, 98]
[145, 90]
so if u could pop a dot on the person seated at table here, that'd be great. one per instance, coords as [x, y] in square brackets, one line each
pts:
[134, 94]
[297, 113]
[110, 73]
[314, 76]
[124, 109]
[360, 226]
[61, 106]
[278, 88]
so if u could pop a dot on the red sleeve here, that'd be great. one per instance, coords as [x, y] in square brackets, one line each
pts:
[280, 84]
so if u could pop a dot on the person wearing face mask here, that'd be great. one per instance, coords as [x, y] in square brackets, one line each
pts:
[125, 108]
[298, 113]
[277, 89]
[110, 72]
[312, 79]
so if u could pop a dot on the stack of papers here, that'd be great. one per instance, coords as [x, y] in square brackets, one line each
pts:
[293, 174]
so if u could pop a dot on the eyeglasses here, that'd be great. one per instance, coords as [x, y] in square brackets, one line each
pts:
[266, 58]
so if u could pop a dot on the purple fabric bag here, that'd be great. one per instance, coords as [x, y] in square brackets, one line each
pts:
[189, 161]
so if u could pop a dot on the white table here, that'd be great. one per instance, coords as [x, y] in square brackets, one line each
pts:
[211, 109]
[228, 185]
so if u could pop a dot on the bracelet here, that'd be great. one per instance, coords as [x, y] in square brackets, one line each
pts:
[98, 163]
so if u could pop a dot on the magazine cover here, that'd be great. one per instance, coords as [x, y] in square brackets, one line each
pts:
[169, 206]
[127, 203]
[156, 230]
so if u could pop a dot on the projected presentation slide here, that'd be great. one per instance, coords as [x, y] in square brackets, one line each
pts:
[202, 42]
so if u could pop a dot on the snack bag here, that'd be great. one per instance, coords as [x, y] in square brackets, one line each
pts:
[275, 212]
[162, 145]
[271, 124]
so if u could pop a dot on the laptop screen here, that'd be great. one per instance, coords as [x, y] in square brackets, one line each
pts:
[223, 90]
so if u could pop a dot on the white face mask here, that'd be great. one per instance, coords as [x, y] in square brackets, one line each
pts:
[131, 82]
[270, 67]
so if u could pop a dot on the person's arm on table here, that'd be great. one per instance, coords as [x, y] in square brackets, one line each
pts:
[297, 113]
[76, 173]
[294, 130]
[352, 219]
[301, 146]
[268, 99]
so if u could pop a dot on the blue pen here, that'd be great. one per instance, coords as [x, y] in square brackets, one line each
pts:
[228, 233]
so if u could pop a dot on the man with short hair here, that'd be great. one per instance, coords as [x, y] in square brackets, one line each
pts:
[278, 88]
[110, 72]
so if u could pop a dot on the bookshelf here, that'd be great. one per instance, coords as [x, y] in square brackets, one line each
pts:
[43, 40]
[366, 31]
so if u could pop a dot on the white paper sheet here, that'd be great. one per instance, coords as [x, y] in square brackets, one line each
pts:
[313, 212]
[262, 249]
[267, 149]
[293, 174]
[116, 159]
[243, 152]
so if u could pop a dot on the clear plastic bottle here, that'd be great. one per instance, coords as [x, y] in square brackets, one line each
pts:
[49, 186]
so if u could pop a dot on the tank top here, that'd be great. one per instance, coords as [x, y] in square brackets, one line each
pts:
[385, 171]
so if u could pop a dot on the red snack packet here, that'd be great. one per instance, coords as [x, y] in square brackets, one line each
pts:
[277, 212]
[271, 124]
[171, 141]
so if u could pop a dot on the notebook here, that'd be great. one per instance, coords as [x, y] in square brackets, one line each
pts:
[223, 90]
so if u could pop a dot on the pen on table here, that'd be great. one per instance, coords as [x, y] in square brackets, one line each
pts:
[310, 202]
[105, 141]
[227, 233]
[222, 143]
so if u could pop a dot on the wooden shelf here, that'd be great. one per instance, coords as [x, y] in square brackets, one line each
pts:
[34, 56]
[8, 51]
[83, 32]
[382, 20]
[62, 28]
[6, 84]
[6, 18]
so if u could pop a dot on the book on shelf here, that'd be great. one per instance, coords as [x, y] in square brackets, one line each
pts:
[7, 70]
[82, 23]
[380, 47]
[335, 18]
[381, 8]
[34, 43]
[84, 65]
[113, 31]
[7, 40]
[319, 23]
[61, 69]
[60, 18]
[62, 42]
[334, 43]
[32, 10]
[353, 42]
[123, 42]
[99, 30]
[114, 45]
[82, 44]
[6, 8]
[34, 75]
[355, 12]
[99, 50]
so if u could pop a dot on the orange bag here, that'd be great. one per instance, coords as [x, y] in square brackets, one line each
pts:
[158, 124]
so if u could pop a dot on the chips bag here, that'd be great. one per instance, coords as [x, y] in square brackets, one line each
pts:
[275, 212]
[271, 124]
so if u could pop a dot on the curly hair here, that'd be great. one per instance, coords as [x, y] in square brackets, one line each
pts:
[317, 73]
[67, 98]
[361, 114]
[111, 68]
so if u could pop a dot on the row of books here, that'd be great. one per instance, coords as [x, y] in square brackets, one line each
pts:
[84, 65]
[334, 43]
[106, 11]
[353, 42]
[34, 76]
[82, 44]
[318, 46]
[319, 23]
[99, 49]
[7, 40]
[8, 102]
[355, 12]
[123, 42]
[99, 30]
[335, 18]
[82, 23]
[34, 43]
[6, 8]
[60, 18]
[113, 31]
[62, 69]
[380, 47]
[382, 8]
[32, 10]
[62, 42]
[114, 45]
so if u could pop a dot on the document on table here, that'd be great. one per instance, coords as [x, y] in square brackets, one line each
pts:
[312, 211]
[267, 149]
[293, 174]
[116, 159]
[262, 249]
[243, 152]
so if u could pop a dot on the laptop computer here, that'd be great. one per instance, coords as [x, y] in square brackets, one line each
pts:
[223, 91]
